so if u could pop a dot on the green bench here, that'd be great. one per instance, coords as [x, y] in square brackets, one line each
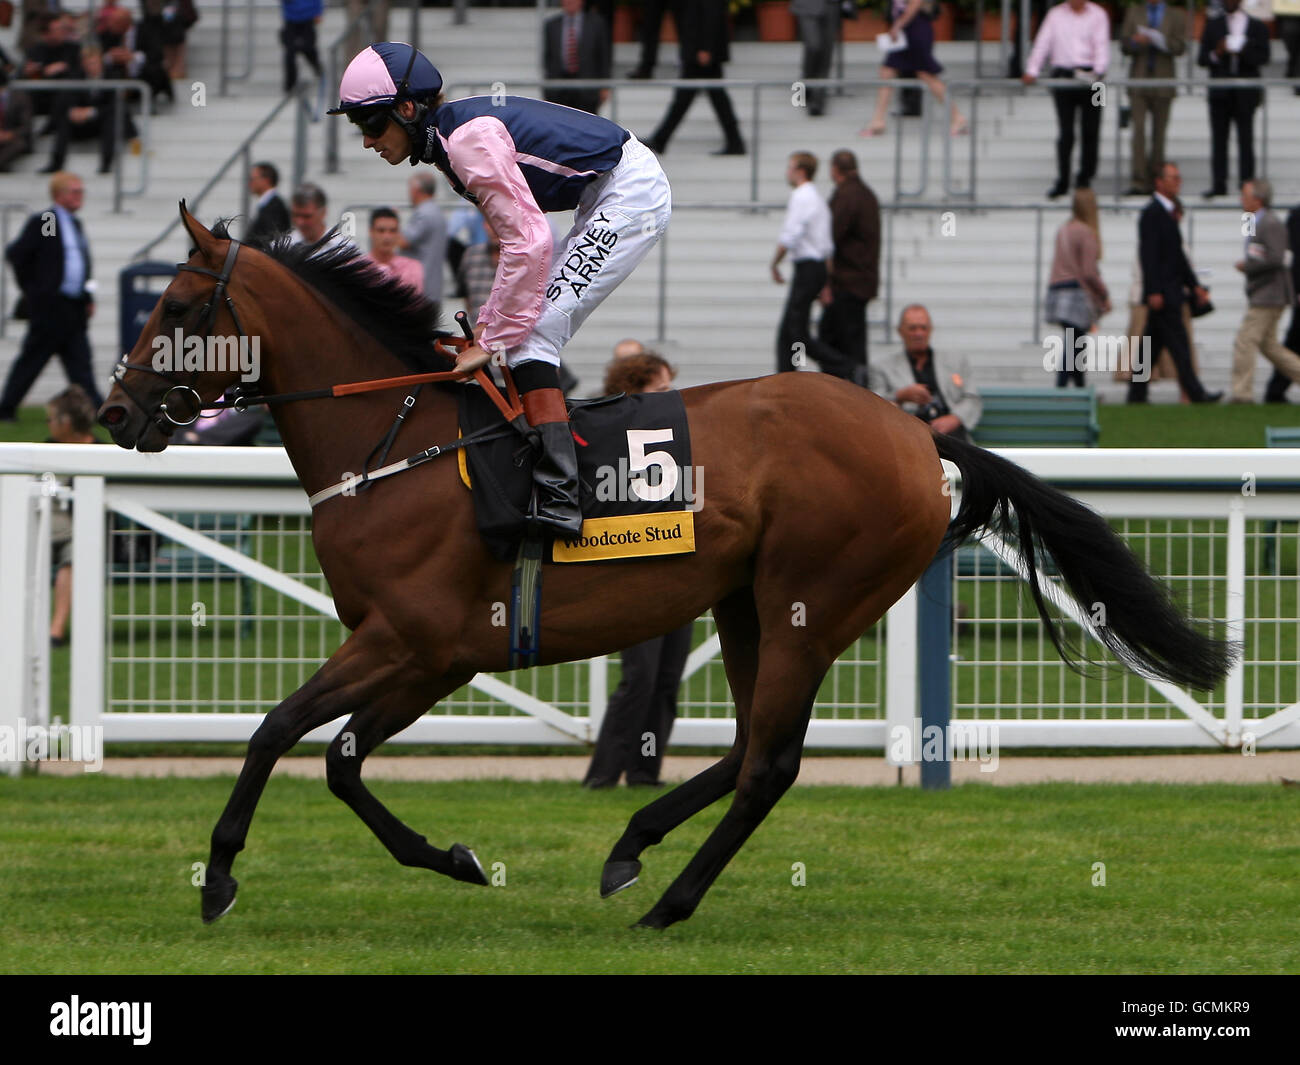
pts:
[1276, 436]
[1037, 417]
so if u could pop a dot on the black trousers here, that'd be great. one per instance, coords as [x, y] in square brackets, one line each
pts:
[1165, 328]
[818, 34]
[682, 100]
[1069, 102]
[1279, 382]
[99, 127]
[580, 99]
[805, 285]
[298, 37]
[645, 701]
[652, 17]
[1232, 107]
[844, 328]
[57, 327]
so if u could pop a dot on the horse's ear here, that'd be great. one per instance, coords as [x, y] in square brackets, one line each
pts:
[203, 238]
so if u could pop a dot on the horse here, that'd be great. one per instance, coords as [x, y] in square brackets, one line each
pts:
[825, 504]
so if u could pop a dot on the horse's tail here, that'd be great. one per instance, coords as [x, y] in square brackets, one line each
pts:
[1139, 622]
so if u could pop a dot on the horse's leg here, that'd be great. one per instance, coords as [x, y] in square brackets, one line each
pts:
[786, 687]
[352, 673]
[737, 622]
[365, 731]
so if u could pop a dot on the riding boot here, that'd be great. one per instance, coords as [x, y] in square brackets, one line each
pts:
[555, 474]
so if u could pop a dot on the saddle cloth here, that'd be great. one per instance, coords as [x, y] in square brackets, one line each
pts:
[638, 490]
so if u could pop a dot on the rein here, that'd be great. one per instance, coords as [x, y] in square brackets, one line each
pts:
[162, 412]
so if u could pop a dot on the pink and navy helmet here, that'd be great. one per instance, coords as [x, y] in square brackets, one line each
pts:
[383, 75]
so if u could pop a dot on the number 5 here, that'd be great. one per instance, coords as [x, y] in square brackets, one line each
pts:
[639, 462]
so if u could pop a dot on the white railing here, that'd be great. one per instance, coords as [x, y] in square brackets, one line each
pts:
[224, 613]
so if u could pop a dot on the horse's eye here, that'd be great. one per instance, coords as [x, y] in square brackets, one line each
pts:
[173, 309]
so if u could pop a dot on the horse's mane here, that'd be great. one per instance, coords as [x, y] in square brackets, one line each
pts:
[381, 305]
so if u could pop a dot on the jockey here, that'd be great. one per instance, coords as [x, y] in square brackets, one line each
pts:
[518, 158]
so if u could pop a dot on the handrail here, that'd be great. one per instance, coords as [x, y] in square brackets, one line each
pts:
[119, 88]
[304, 97]
[334, 64]
[226, 75]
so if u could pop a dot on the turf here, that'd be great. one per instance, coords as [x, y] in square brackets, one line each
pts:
[97, 872]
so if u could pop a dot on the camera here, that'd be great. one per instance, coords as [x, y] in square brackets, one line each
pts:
[930, 411]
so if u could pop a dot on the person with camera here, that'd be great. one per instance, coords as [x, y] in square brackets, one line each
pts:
[938, 391]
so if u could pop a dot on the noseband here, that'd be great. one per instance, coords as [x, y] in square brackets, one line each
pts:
[162, 414]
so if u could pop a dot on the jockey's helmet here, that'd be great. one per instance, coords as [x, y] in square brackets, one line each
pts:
[381, 77]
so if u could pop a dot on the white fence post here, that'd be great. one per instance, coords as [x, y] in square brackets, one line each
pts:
[597, 695]
[89, 576]
[1236, 617]
[900, 677]
[15, 504]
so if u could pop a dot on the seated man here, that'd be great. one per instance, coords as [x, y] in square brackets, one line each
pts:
[88, 115]
[938, 391]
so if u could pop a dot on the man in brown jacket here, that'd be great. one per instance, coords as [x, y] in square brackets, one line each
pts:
[855, 265]
[1154, 35]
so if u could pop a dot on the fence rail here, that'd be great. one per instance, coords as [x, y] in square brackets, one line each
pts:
[199, 634]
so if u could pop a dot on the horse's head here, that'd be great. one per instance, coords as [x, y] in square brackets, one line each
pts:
[192, 348]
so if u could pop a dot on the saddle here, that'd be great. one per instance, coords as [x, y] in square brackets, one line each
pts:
[638, 489]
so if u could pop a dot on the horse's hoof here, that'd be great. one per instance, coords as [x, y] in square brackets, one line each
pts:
[465, 866]
[662, 916]
[618, 875]
[218, 896]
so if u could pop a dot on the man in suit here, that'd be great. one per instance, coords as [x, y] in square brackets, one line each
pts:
[576, 46]
[270, 215]
[56, 56]
[135, 51]
[1269, 292]
[1153, 57]
[51, 261]
[1166, 278]
[1233, 45]
[424, 237]
[702, 32]
[88, 114]
[1279, 382]
[819, 29]
[942, 396]
[855, 264]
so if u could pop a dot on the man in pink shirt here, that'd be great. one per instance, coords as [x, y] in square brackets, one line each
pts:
[385, 232]
[1073, 42]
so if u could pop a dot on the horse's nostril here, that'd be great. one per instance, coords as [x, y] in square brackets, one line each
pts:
[112, 416]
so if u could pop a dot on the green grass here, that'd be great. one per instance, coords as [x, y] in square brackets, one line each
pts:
[96, 879]
[1185, 425]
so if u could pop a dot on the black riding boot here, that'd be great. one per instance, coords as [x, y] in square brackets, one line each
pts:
[556, 471]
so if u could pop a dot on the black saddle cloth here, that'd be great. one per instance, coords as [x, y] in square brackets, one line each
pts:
[501, 471]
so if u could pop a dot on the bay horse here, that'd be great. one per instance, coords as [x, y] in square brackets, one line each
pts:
[825, 504]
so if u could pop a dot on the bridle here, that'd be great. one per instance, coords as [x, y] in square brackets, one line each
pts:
[162, 412]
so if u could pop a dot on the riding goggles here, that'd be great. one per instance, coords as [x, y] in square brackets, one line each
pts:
[371, 123]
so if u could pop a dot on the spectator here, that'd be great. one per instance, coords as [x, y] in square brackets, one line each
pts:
[575, 45]
[178, 16]
[1279, 382]
[1153, 57]
[1074, 41]
[1233, 45]
[625, 349]
[855, 264]
[911, 20]
[425, 235]
[639, 718]
[1269, 292]
[375, 29]
[55, 56]
[307, 208]
[1288, 28]
[15, 123]
[1076, 294]
[89, 115]
[298, 34]
[136, 52]
[52, 265]
[478, 271]
[945, 398]
[270, 215]
[464, 230]
[702, 31]
[385, 232]
[806, 238]
[819, 29]
[1167, 276]
[70, 417]
[652, 17]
